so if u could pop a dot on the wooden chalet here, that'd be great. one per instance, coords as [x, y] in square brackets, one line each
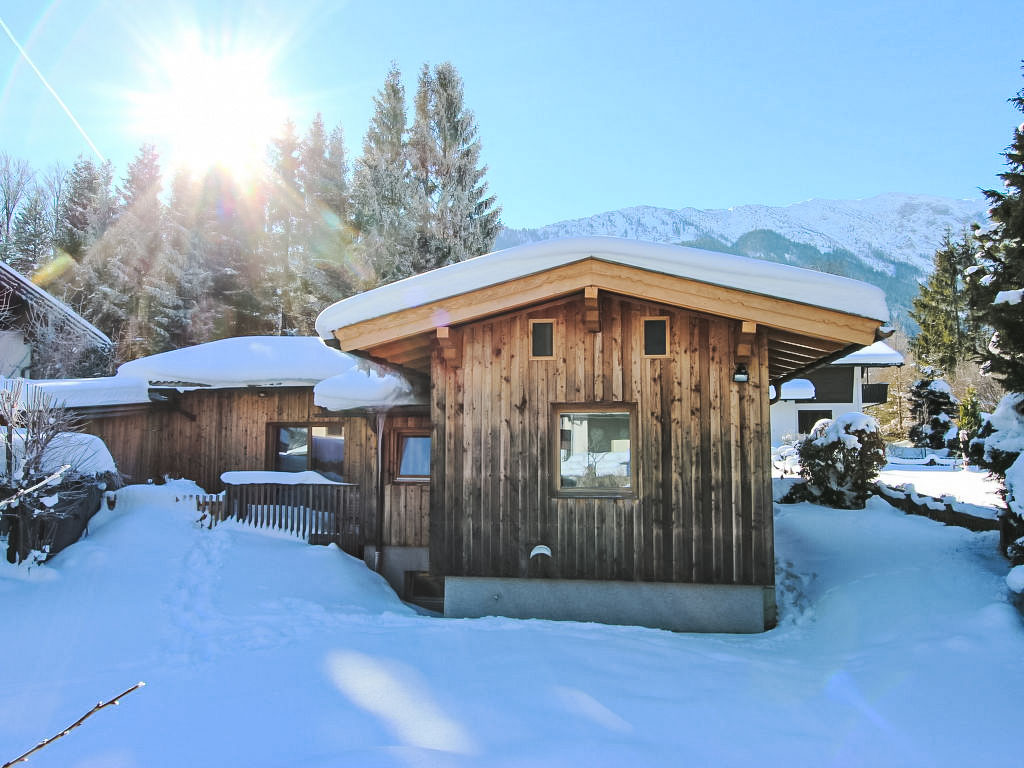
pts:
[597, 441]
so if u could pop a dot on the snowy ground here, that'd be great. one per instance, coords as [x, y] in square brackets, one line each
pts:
[897, 647]
[971, 486]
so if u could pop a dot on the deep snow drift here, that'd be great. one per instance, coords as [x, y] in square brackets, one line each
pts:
[897, 647]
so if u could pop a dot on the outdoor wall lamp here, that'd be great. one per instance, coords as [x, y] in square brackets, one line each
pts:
[741, 374]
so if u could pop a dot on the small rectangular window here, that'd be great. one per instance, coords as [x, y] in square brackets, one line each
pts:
[806, 419]
[542, 339]
[655, 337]
[594, 455]
[414, 457]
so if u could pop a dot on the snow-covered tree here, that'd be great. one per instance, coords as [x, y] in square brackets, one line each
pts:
[932, 406]
[999, 272]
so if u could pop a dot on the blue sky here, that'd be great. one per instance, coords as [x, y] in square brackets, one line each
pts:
[582, 107]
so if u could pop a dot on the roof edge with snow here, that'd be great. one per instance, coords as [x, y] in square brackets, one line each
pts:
[779, 281]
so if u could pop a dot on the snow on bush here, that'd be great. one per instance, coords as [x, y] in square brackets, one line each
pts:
[839, 461]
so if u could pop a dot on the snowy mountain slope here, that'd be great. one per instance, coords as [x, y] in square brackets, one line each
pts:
[876, 230]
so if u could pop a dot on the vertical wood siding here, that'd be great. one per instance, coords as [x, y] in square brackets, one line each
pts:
[230, 431]
[702, 510]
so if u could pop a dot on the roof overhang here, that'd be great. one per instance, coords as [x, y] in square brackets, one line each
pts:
[799, 335]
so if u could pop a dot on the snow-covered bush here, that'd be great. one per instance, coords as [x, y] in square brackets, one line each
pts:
[999, 448]
[45, 469]
[932, 406]
[839, 461]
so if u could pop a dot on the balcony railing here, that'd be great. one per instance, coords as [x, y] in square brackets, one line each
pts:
[873, 394]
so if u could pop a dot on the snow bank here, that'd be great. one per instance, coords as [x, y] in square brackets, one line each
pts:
[255, 477]
[751, 275]
[895, 640]
[87, 454]
[877, 354]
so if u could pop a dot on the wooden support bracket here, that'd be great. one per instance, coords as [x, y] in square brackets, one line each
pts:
[591, 313]
[745, 341]
[451, 348]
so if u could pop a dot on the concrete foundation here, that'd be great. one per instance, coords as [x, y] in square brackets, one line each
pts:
[678, 607]
[395, 561]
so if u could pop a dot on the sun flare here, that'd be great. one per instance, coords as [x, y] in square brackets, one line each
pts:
[212, 109]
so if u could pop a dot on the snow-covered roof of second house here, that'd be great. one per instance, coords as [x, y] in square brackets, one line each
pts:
[879, 354]
[85, 393]
[722, 269]
[244, 361]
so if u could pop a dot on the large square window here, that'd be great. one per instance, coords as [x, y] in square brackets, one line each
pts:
[317, 447]
[594, 455]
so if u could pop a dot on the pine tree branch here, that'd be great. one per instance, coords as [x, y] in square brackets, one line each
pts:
[23, 758]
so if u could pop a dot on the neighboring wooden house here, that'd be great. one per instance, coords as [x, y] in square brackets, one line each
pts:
[833, 390]
[598, 425]
[29, 316]
[242, 403]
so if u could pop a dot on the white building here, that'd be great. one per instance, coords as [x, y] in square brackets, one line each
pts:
[832, 390]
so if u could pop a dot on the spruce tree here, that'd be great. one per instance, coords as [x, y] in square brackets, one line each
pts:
[999, 280]
[381, 190]
[32, 233]
[949, 332]
[456, 218]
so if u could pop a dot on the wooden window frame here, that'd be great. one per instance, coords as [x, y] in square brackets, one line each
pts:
[557, 409]
[668, 336]
[553, 324]
[394, 458]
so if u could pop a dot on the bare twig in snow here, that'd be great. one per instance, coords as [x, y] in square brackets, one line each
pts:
[23, 758]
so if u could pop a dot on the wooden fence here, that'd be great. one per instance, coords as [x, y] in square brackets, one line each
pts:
[321, 514]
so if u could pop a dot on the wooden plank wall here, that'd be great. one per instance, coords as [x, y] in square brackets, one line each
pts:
[229, 431]
[406, 503]
[702, 511]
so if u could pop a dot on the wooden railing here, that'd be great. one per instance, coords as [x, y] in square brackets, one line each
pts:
[321, 514]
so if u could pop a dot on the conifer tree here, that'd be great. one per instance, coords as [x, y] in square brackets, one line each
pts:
[32, 233]
[456, 219]
[381, 191]
[1000, 276]
[932, 405]
[950, 332]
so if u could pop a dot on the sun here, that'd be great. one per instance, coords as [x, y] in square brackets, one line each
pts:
[212, 109]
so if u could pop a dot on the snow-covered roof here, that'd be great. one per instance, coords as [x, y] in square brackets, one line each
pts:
[877, 354]
[88, 393]
[244, 361]
[794, 389]
[722, 269]
[31, 293]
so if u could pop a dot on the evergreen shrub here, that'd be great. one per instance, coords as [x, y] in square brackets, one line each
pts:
[839, 462]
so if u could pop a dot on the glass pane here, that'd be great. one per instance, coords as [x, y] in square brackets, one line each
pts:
[292, 449]
[594, 451]
[655, 337]
[415, 457]
[329, 451]
[543, 339]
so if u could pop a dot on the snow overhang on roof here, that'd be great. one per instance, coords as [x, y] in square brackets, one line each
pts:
[878, 355]
[89, 393]
[243, 361]
[754, 276]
